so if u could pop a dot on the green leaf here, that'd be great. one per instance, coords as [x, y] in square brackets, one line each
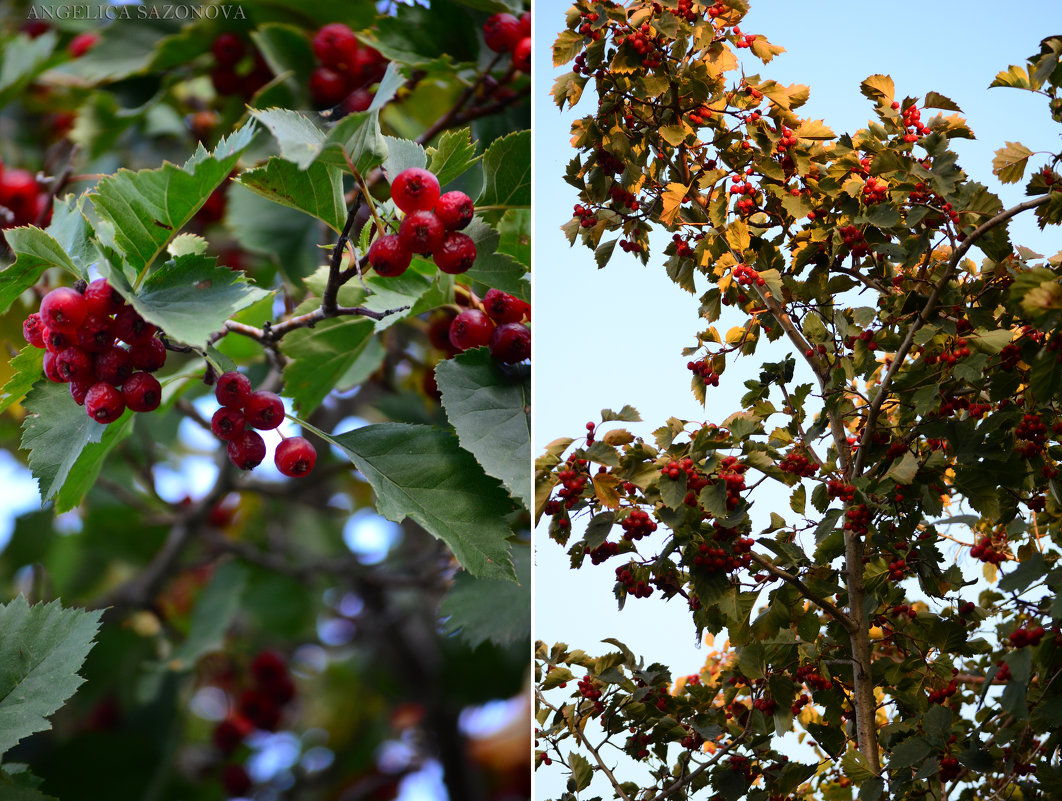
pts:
[189, 297]
[1010, 161]
[507, 171]
[148, 208]
[911, 751]
[582, 771]
[493, 268]
[316, 190]
[321, 356]
[27, 368]
[267, 228]
[41, 651]
[422, 473]
[55, 432]
[490, 410]
[35, 251]
[904, 471]
[515, 235]
[417, 290]
[482, 609]
[453, 156]
[356, 140]
[23, 58]
[214, 611]
[300, 139]
[856, 767]
[86, 468]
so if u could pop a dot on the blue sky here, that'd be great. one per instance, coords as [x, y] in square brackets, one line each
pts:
[612, 337]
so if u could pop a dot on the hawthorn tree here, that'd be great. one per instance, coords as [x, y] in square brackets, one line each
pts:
[910, 403]
[264, 282]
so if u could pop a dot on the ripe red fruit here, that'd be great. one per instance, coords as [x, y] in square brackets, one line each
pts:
[501, 32]
[248, 451]
[439, 329]
[227, 424]
[82, 43]
[455, 210]
[113, 365]
[33, 330]
[73, 363]
[148, 355]
[415, 189]
[369, 67]
[131, 327]
[510, 343]
[525, 24]
[455, 254]
[79, 389]
[18, 192]
[421, 232]
[142, 392]
[63, 308]
[388, 256]
[230, 733]
[102, 299]
[228, 49]
[358, 100]
[502, 307]
[295, 457]
[55, 340]
[96, 334]
[233, 390]
[269, 666]
[264, 410]
[225, 80]
[260, 709]
[235, 780]
[104, 403]
[50, 371]
[327, 87]
[335, 45]
[522, 55]
[470, 329]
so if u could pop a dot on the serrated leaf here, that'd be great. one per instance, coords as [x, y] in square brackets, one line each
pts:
[673, 197]
[507, 172]
[481, 609]
[214, 611]
[41, 651]
[453, 156]
[628, 414]
[1010, 162]
[189, 297]
[87, 466]
[493, 268]
[567, 46]
[22, 58]
[879, 88]
[937, 100]
[299, 137]
[856, 767]
[582, 771]
[490, 411]
[27, 368]
[422, 473]
[35, 251]
[55, 432]
[316, 190]
[904, 471]
[269, 229]
[321, 356]
[403, 154]
[813, 129]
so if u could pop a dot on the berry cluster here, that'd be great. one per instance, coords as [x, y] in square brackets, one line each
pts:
[746, 276]
[230, 52]
[605, 550]
[956, 350]
[741, 187]
[586, 217]
[949, 768]
[854, 241]
[78, 331]
[637, 525]
[242, 411]
[587, 26]
[1032, 435]
[346, 69]
[588, 688]
[797, 463]
[633, 585]
[572, 479]
[989, 550]
[810, 676]
[699, 115]
[733, 473]
[875, 191]
[941, 695]
[767, 706]
[644, 44]
[840, 489]
[258, 707]
[505, 33]
[430, 227]
[703, 370]
[716, 559]
[498, 326]
[897, 568]
[857, 519]
[1019, 638]
[912, 123]
[21, 198]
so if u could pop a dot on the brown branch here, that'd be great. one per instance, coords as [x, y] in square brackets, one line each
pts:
[819, 601]
[447, 119]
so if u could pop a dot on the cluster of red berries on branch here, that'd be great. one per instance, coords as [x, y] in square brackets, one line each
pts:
[603, 552]
[746, 192]
[234, 73]
[1031, 434]
[431, 227]
[260, 706]
[798, 463]
[573, 479]
[912, 122]
[505, 33]
[637, 524]
[79, 331]
[644, 44]
[243, 410]
[587, 217]
[586, 28]
[720, 559]
[857, 519]
[498, 326]
[698, 115]
[810, 676]
[853, 239]
[702, 368]
[22, 199]
[1024, 636]
[942, 694]
[633, 582]
[835, 488]
[589, 689]
[991, 548]
[747, 276]
[875, 191]
[953, 352]
[346, 69]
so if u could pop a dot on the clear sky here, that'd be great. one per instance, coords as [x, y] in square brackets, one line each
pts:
[611, 337]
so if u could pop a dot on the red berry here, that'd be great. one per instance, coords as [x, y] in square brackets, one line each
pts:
[388, 256]
[227, 424]
[131, 327]
[358, 100]
[142, 392]
[439, 329]
[104, 403]
[260, 709]
[415, 189]
[96, 334]
[455, 254]
[63, 308]
[248, 451]
[335, 45]
[522, 56]
[235, 780]
[264, 410]
[502, 307]
[470, 329]
[225, 80]
[269, 667]
[79, 389]
[369, 67]
[295, 457]
[455, 210]
[82, 43]
[502, 32]
[510, 343]
[113, 365]
[230, 733]
[228, 49]
[18, 192]
[56, 340]
[50, 371]
[233, 390]
[525, 24]
[148, 355]
[73, 364]
[327, 87]
[421, 232]
[33, 330]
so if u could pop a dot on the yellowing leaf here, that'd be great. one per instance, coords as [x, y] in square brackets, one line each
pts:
[737, 234]
[735, 335]
[618, 436]
[672, 197]
[813, 129]
[605, 488]
[764, 50]
[879, 88]
[1009, 163]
